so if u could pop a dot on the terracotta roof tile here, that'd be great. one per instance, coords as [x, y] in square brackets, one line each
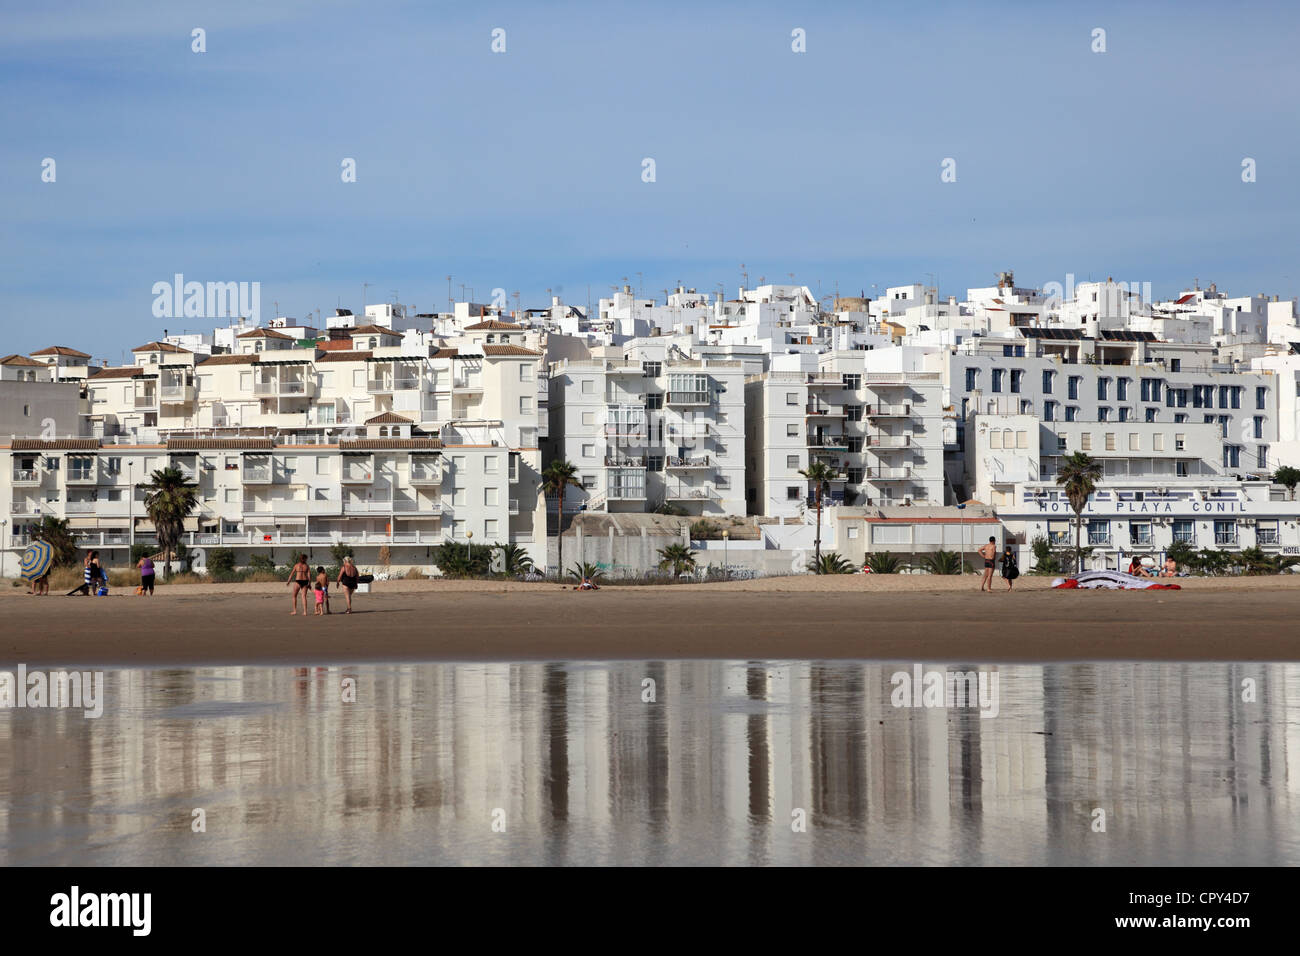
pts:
[22, 360]
[351, 355]
[490, 325]
[120, 371]
[217, 444]
[62, 350]
[373, 330]
[54, 444]
[388, 418]
[383, 444]
[160, 347]
[264, 334]
[509, 350]
[226, 359]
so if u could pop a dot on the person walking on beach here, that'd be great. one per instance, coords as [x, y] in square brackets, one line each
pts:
[322, 590]
[989, 553]
[347, 580]
[300, 582]
[1009, 570]
[145, 565]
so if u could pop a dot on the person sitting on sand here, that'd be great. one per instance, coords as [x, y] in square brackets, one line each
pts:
[587, 584]
[1136, 567]
[1170, 569]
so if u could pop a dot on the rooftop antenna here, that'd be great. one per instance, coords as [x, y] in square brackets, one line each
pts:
[451, 303]
[744, 275]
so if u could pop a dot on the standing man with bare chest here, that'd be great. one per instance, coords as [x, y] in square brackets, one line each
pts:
[989, 553]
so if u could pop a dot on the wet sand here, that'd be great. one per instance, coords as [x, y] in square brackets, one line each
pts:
[799, 618]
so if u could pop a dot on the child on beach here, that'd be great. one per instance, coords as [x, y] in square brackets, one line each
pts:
[322, 591]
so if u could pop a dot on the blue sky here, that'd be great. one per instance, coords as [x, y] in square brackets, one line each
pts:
[522, 170]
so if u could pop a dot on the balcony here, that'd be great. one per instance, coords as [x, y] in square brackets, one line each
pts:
[1225, 538]
[284, 388]
[1269, 536]
[358, 471]
[900, 473]
[146, 399]
[387, 505]
[177, 394]
[256, 472]
[467, 385]
[828, 443]
[677, 463]
[293, 508]
[390, 383]
[624, 461]
[26, 476]
[83, 475]
[691, 493]
[426, 473]
[687, 398]
[822, 410]
[25, 509]
[886, 442]
[1098, 538]
[890, 411]
[825, 380]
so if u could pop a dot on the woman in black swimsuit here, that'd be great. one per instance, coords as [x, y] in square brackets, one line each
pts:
[300, 581]
[347, 580]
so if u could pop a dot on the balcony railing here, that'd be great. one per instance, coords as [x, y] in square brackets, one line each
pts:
[822, 410]
[385, 505]
[889, 441]
[1266, 537]
[687, 398]
[889, 411]
[691, 493]
[1222, 538]
[256, 474]
[426, 475]
[315, 506]
[82, 476]
[1098, 537]
[901, 473]
[624, 461]
[27, 476]
[678, 463]
[146, 400]
[179, 394]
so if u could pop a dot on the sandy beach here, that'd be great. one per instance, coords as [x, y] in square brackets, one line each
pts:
[892, 617]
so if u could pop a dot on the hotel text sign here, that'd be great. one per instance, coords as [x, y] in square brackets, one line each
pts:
[1146, 507]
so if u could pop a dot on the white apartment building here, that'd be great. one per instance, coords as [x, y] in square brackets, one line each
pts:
[646, 430]
[878, 427]
[1161, 483]
[291, 446]
[1058, 375]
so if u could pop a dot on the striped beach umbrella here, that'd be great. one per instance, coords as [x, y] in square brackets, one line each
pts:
[37, 560]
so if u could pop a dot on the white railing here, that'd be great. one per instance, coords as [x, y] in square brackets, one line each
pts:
[27, 476]
[885, 411]
[889, 441]
[889, 474]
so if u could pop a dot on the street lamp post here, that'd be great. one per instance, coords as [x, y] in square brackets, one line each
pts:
[469, 554]
[726, 564]
[130, 503]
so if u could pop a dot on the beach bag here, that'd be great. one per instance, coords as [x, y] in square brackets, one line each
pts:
[1013, 572]
[103, 591]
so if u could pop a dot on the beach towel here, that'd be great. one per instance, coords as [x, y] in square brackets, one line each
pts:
[1112, 580]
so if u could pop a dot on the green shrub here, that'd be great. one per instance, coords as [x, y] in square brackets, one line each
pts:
[456, 560]
[884, 562]
[831, 563]
[221, 561]
[261, 563]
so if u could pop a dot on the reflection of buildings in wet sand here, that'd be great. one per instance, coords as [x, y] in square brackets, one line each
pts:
[586, 770]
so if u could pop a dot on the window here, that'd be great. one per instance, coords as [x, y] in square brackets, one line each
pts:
[1022, 438]
[1071, 413]
[998, 375]
[1085, 441]
[1157, 441]
[525, 405]
[852, 381]
[1060, 443]
[1235, 395]
[972, 379]
[1175, 365]
[1121, 389]
[588, 482]
[1223, 396]
[792, 398]
[853, 413]
[1261, 457]
[589, 419]
[1017, 376]
[1073, 387]
[1098, 531]
[1185, 532]
[1258, 426]
[654, 401]
[1139, 534]
[1223, 426]
[525, 372]
[491, 464]
[1225, 532]
[1266, 532]
[652, 369]
[1049, 411]
[588, 451]
[1103, 414]
[791, 430]
[1231, 456]
[792, 493]
[490, 529]
[1125, 413]
[792, 461]
[995, 438]
[324, 465]
[1134, 441]
[491, 496]
[654, 463]
[1058, 532]
[588, 386]
[1261, 397]
[1180, 469]
[1103, 388]
[1180, 441]
[1048, 376]
[1110, 441]
[1180, 419]
[1150, 415]
[853, 443]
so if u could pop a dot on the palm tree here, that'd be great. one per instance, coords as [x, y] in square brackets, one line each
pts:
[676, 557]
[586, 570]
[56, 533]
[883, 562]
[819, 475]
[831, 563]
[556, 479]
[942, 562]
[1079, 475]
[514, 560]
[170, 498]
[1288, 477]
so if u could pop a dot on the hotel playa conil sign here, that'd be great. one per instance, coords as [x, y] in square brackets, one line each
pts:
[1181, 506]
